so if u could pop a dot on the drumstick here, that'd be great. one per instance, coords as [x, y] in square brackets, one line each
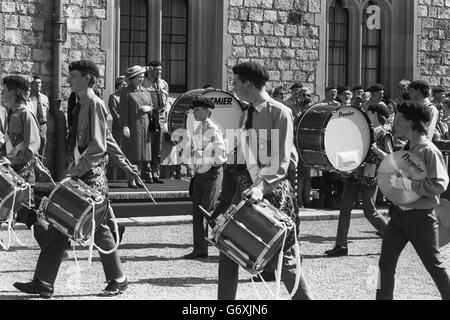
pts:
[148, 192]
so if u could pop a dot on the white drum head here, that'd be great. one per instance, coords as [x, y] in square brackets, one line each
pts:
[347, 139]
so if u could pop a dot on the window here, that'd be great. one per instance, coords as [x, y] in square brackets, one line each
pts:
[338, 45]
[133, 33]
[371, 55]
[174, 43]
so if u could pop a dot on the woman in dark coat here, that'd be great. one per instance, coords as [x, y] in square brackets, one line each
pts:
[135, 109]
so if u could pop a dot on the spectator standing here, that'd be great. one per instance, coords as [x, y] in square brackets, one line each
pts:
[135, 110]
[159, 91]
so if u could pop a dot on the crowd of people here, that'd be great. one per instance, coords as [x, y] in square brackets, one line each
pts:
[139, 110]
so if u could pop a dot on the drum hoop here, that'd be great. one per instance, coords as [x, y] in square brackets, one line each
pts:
[322, 138]
[259, 261]
[58, 186]
[76, 230]
[228, 217]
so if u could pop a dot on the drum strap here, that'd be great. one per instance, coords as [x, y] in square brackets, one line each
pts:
[10, 228]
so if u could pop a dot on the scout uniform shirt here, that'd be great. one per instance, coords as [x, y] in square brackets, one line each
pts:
[92, 129]
[437, 179]
[208, 147]
[23, 140]
[271, 163]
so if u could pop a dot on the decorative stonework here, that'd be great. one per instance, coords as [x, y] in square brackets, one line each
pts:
[281, 34]
[26, 38]
[434, 41]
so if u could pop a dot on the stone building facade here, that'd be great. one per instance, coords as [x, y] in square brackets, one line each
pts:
[316, 42]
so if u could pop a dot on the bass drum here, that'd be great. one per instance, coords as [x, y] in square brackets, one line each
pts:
[226, 115]
[336, 139]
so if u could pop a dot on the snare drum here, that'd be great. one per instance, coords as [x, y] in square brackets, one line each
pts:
[226, 114]
[70, 208]
[334, 138]
[15, 192]
[251, 235]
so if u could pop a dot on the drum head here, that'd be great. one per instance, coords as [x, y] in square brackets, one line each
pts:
[226, 115]
[348, 137]
[403, 163]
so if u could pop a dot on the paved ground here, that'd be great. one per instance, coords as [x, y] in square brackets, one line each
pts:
[152, 252]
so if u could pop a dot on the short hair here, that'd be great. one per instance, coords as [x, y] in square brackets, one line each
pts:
[330, 88]
[278, 90]
[252, 72]
[381, 110]
[439, 89]
[297, 85]
[358, 87]
[422, 86]
[154, 63]
[37, 78]
[417, 113]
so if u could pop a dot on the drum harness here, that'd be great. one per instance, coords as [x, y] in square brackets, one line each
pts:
[276, 296]
[10, 219]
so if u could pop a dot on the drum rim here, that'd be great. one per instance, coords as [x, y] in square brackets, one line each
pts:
[202, 91]
[322, 137]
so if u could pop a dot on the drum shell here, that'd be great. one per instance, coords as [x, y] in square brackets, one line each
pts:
[258, 233]
[311, 136]
[12, 188]
[70, 211]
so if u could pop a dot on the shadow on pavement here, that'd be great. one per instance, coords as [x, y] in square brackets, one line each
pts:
[16, 271]
[179, 282]
[319, 239]
[137, 246]
[324, 256]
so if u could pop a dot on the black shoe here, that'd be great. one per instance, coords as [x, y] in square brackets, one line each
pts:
[157, 180]
[267, 276]
[195, 255]
[114, 288]
[337, 251]
[132, 185]
[35, 287]
[121, 229]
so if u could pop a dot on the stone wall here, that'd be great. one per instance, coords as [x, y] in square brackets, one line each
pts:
[26, 38]
[26, 43]
[283, 35]
[434, 41]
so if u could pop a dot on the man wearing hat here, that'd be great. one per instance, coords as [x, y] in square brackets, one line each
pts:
[358, 92]
[376, 96]
[136, 111]
[159, 90]
[113, 105]
[441, 104]
[208, 157]
[87, 143]
[22, 142]
[331, 94]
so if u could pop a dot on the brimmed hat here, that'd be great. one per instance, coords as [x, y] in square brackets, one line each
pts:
[376, 88]
[135, 71]
[120, 80]
[202, 102]
[297, 85]
[85, 66]
[16, 82]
